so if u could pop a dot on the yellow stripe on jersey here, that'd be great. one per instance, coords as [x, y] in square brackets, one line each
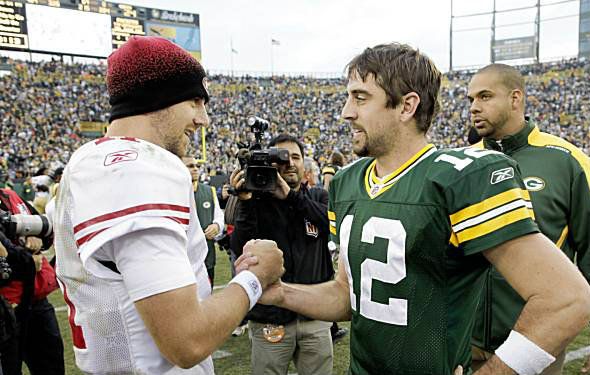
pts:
[333, 229]
[494, 224]
[562, 237]
[536, 138]
[489, 204]
[331, 215]
[386, 182]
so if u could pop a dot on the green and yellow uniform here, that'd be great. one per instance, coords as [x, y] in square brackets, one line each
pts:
[411, 244]
[557, 176]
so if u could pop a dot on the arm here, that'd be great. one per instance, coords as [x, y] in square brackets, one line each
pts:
[193, 329]
[557, 296]
[329, 301]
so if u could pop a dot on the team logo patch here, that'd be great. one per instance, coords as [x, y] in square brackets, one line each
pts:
[502, 175]
[253, 286]
[206, 204]
[311, 229]
[120, 156]
[534, 183]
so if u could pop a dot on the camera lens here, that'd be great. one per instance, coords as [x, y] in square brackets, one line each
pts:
[260, 180]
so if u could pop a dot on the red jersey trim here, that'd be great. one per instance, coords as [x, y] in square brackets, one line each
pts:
[129, 211]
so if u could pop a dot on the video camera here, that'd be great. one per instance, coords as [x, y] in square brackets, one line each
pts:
[257, 163]
[14, 226]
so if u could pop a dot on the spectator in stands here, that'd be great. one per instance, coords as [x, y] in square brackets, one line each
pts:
[330, 169]
[130, 253]
[208, 211]
[311, 172]
[296, 217]
[557, 176]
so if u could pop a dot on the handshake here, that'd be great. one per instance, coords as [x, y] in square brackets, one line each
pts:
[264, 259]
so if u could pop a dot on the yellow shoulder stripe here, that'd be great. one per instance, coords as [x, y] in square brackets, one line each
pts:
[494, 224]
[489, 204]
[331, 215]
[333, 230]
[537, 138]
[562, 237]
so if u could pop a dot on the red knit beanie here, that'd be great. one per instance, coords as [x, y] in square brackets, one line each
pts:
[150, 73]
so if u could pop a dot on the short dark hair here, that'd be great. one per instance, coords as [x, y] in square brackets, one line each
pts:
[337, 159]
[281, 138]
[508, 76]
[400, 69]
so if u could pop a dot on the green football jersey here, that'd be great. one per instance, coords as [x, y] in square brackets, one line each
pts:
[410, 244]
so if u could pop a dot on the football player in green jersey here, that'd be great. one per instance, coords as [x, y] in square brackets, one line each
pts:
[417, 227]
[557, 175]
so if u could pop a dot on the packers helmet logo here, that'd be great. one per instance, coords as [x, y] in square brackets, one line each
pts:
[206, 204]
[534, 183]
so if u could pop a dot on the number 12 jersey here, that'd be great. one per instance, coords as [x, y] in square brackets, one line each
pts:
[411, 246]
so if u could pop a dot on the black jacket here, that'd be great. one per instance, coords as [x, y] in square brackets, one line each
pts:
[299, 226]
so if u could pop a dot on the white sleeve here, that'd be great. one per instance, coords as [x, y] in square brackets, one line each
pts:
[217, 213]
[150, 261]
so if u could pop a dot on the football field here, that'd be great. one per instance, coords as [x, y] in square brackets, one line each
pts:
[234, 356]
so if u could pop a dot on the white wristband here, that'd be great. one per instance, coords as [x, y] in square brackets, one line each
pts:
[250, 283]
[522, 355]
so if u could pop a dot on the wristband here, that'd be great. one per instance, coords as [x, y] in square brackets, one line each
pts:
[522, 355]
[250, 283]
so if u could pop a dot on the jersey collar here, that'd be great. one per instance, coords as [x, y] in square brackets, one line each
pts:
[512, 143]
[376, 186]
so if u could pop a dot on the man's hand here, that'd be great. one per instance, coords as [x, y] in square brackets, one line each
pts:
[273, 294]
[238, 181]
[33, 244]
[282, 189]
[211, 231]
[224, 192]
[458, 370]
[268, 262]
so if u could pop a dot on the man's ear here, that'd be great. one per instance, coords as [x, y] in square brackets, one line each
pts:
[517, 99]
[409, 103]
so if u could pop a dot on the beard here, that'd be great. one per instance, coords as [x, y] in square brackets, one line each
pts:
[294, 179]
[374, 146]
[493, 126]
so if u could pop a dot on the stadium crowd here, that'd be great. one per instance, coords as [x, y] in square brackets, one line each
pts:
[43, 103]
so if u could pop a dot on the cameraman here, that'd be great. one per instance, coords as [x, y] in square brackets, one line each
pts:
[296, 217]
[38, 340]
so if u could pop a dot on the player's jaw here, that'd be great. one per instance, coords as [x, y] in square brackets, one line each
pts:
[359, 140]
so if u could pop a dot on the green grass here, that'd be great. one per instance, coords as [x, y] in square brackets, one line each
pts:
[239, 362]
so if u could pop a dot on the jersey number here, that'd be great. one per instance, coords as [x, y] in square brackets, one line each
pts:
[460, 163]
[392, 271]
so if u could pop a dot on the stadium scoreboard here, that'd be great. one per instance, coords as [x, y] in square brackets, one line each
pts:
[90, 27]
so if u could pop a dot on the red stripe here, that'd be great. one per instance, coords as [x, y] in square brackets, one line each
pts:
[178, 219]
[77, 334]
[128, 211]
[88, 237]
[102, 140]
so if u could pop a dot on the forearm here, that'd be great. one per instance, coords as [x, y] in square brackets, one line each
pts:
[216, 318]
[329, 301]
[494, 366]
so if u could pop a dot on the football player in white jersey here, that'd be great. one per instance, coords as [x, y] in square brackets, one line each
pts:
[130, 250]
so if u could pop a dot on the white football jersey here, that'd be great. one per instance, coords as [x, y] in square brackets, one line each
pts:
[111, 188]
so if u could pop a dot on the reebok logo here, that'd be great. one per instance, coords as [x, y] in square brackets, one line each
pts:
[501, 175]
[120, 156]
